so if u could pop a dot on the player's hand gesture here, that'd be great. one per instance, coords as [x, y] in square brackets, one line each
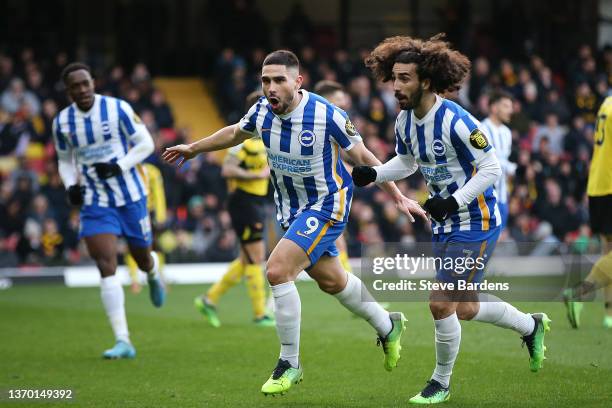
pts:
[410, 208]
[179, 154]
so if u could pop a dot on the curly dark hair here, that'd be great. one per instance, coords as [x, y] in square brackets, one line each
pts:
[444, 67]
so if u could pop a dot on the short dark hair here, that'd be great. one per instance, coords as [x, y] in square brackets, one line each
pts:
[497, 95]
[74, 66]
[327, 87]
[282, 57]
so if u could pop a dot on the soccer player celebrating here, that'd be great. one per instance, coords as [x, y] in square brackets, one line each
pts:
[302, 133]
[599, 190]
[246, 165]
[500, 111]
[445, 142]
[100, 170]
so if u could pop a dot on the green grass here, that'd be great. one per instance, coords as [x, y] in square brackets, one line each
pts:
[52, 337]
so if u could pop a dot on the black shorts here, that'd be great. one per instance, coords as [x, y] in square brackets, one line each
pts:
[248, 215]
[600, 214]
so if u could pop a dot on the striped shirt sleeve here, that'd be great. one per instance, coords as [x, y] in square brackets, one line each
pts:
[129, 120]
[248, 123]
[473, 142]
[343, 131]
[400, 144]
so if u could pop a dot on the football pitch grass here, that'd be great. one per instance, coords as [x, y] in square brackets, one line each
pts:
[53, 337]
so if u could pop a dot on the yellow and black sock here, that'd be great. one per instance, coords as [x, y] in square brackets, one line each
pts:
[227, 281]
[132, 268]
[255, 287]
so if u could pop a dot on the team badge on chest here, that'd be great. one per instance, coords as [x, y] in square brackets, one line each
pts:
[438, 147]
[307, 138]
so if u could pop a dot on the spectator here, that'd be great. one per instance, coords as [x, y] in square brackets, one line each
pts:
[585, 103]
[554, 132]
[556, 105]
[553, 210]
[52, 244]
[17, 98]
[479, 80]
[161, 110]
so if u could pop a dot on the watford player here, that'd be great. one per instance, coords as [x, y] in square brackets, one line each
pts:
[246, 166]
[599, 190]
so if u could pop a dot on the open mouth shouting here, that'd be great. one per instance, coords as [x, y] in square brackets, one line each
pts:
[274, 102]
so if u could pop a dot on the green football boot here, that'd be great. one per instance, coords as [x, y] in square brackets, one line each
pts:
[574, 309]
[265, 321]
[607, 323]
[433, 393]
[535, 341]
[391, 343]
[208, 310]
[282, 378]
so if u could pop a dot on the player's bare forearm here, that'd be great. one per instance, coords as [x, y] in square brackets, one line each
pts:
[222, 139]
[226, 137]
[360, 155]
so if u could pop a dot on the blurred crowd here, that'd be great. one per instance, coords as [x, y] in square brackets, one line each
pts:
[552, 128]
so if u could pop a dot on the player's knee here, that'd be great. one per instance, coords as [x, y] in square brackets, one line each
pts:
[467, 310]
[330, 286]
[106, 265]
[145, 263]
[276, 273]
[440, 310]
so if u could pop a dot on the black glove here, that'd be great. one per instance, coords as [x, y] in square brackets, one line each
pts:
[107, 170]
[363, 175]
[440, 208]
[75, 194]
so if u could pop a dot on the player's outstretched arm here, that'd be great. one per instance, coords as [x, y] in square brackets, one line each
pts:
[223, 138]
[362, 156]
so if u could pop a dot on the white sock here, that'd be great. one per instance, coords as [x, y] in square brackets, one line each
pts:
[496, 311]
[448, 338]
[154, 272]
[367, 308]
[270, 306]
[113, 300]
[288, 311]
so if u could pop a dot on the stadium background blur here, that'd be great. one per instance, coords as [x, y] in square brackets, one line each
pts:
[557, 66]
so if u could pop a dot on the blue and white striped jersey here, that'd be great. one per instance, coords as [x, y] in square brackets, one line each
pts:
[447, 144]
[501, 139]
[103, 134]
[303, 154]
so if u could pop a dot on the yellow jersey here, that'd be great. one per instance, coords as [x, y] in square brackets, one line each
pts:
[252, 157]
[600, 173]
[156, 198]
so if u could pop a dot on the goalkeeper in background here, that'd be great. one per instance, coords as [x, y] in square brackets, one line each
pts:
[156, 205]
[246, 166]
[599, 190]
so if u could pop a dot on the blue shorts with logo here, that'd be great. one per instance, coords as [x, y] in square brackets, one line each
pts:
[463, 255]
[130, 221]
[316, 234]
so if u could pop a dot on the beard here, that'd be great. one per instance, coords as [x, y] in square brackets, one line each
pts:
[283, 105]
[413, 101]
